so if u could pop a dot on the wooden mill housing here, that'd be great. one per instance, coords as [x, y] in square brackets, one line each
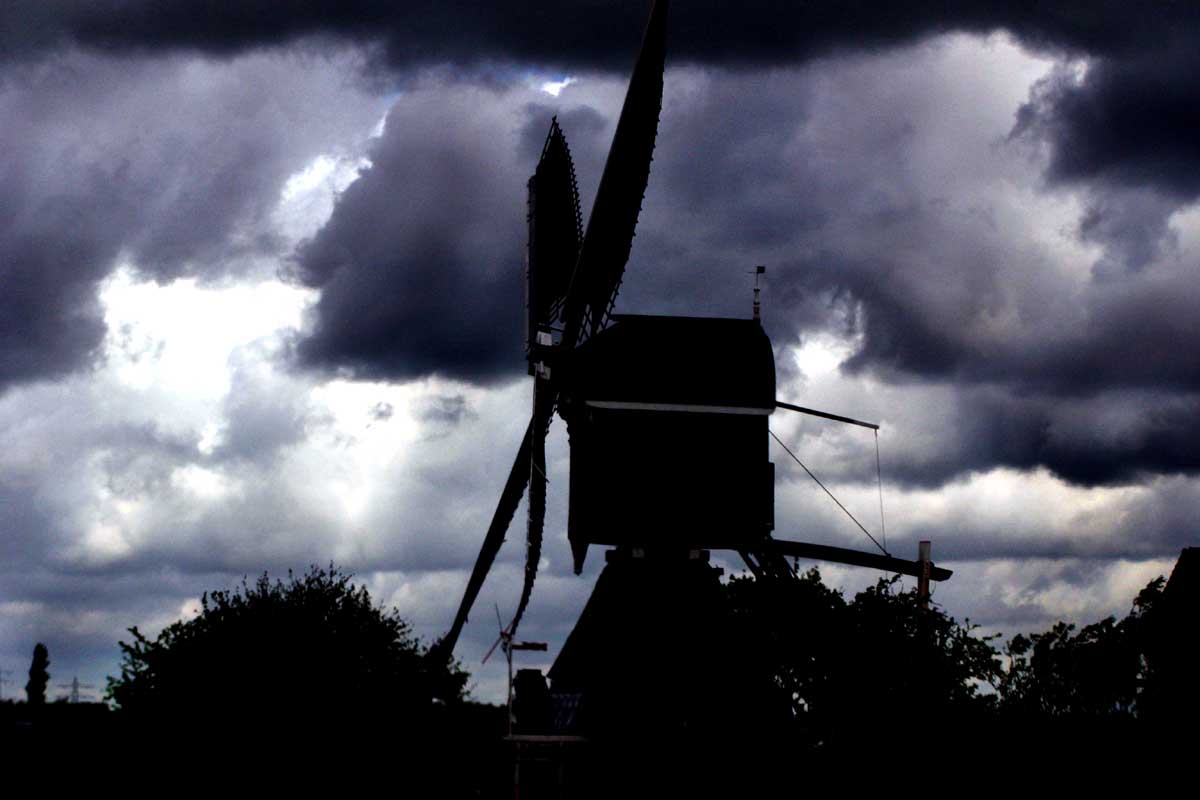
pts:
[667, 418]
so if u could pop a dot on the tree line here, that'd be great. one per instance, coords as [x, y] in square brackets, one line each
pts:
[312, 654]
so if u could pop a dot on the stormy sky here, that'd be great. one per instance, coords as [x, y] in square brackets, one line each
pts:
[261, 300]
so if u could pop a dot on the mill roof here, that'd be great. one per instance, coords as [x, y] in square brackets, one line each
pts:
[692, 361]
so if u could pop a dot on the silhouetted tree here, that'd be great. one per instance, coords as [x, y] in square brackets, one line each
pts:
[845, 667]
[39, 675]
[1101, 670]
[841, 664]
[306, 652]
[1169, 694]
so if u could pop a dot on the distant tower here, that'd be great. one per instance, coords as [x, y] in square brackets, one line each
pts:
[75, 686]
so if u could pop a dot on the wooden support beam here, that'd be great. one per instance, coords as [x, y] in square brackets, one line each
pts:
[826, 415]
[857, 558]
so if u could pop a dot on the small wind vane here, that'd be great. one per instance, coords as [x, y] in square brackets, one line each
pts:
[507, 645]
[758, 271]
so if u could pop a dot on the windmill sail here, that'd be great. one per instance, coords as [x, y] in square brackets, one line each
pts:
[510, 498]
[610, 230]
[584, 294]
[543, 411]
[600, 264]
[555, 230]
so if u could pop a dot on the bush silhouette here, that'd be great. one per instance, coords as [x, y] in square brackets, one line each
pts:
[304, 652]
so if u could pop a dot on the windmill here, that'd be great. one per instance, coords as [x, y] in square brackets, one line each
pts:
[666, 416]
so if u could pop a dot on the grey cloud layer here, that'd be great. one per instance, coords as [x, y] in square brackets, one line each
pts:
[433, 218]
[1138, 88]
[1014, 275]
[114, 515]
[892, 204]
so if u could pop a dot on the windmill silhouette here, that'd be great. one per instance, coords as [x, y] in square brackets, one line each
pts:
[666, 418]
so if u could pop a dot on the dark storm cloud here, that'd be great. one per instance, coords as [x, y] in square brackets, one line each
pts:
[1124, 129]
[420, 264]
[578, 34]
[1117, 336]
[1122, 437]
[1129, 120]
[173, 165]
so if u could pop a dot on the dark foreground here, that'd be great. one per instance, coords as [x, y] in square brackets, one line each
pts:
[464, 753]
